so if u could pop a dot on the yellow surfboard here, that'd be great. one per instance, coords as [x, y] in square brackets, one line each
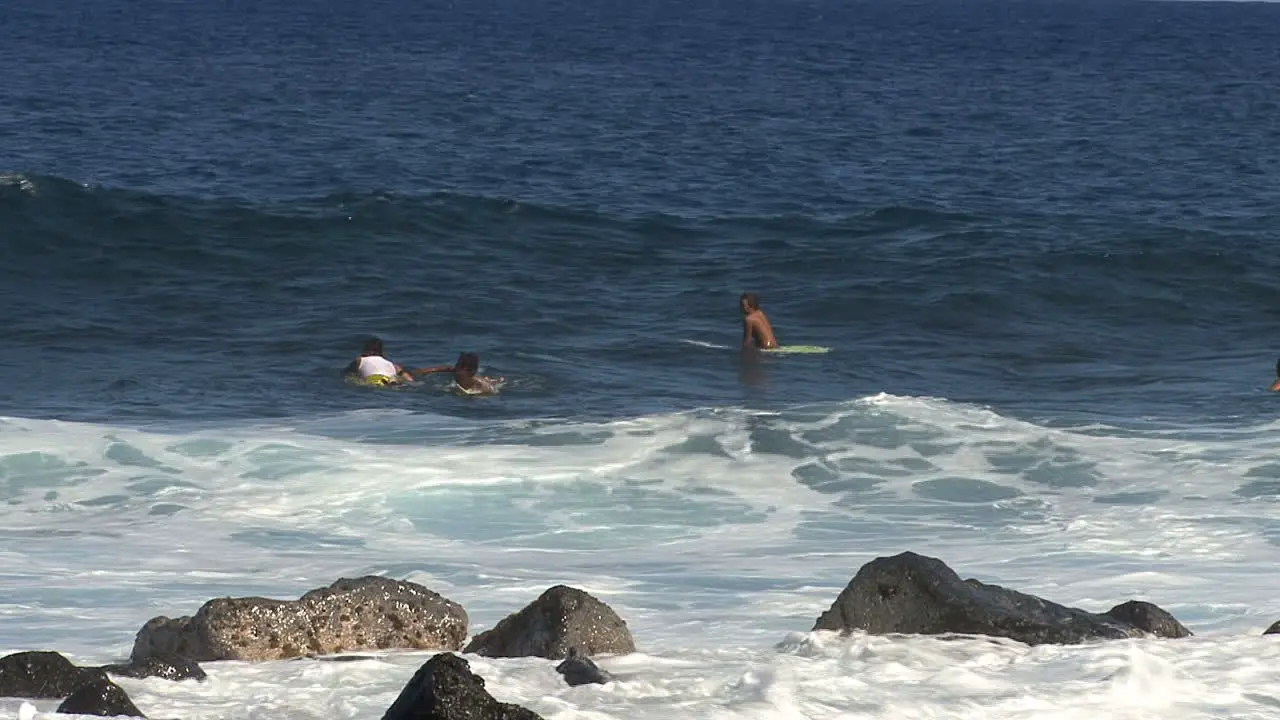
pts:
[798, 350]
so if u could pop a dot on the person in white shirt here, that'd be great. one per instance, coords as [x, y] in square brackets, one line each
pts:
[374, 369]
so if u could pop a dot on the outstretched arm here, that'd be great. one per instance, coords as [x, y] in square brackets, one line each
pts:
[353, 368]
[432, 369]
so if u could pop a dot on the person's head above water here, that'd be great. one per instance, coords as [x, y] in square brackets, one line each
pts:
[468, 363]
[749, 301]
[372, 346]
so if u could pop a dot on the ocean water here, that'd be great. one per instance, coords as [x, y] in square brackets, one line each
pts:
[1038, 237]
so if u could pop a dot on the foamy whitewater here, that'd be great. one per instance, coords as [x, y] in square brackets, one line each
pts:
[719, 536]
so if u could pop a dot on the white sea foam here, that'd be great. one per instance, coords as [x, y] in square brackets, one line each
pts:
[22, 182]
[718, 535]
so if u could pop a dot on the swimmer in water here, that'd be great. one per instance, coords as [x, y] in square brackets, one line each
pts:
[464, 375]
[375, 369]
[1275, 386]
[755, 325]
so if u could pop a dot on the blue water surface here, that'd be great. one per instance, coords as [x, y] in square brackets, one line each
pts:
[1066, 211]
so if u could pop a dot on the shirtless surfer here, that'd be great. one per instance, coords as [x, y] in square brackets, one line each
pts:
[1275, 386]
[375, 369]
[755, 325]
[464, 375]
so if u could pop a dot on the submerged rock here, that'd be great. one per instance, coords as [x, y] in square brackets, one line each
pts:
[159, 665]
[1149, 618]
[561, 618]
[100, 697]
[580, 670]
[910, 593]
[444, 688]
[1273, 630]
[41, 674]
[368, 613]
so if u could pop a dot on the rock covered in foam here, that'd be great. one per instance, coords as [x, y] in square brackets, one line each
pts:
[1273, 630]
[367, 613]
[910, 593]
[561, 618]
[580, 670]
[100, 697]
[159, 665]
[41, 674]
[444, 688]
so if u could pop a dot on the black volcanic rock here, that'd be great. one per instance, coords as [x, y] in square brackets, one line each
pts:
[100, 697]
[580, 670]
[41, 674]
[1149, 618]
[915, 594]
[161, 665]
[444, 688]
[561, 618]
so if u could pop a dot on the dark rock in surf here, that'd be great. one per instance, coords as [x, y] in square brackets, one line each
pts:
[1149, 618]
[41, 674]
[444, 688]
[1273, 630]
[343, 658]
[914, 594]
[49, 675]
[367, 613]
[100, 697]
[561, 618]
[580, 670]
[159, 665]
[333, 658]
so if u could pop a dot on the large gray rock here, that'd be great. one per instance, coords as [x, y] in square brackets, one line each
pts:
[41, 675]
[368, 613]
[159, 665]
[444, 688]
[561, 618]
[1273, 630]
[100, 697]
[910, 593]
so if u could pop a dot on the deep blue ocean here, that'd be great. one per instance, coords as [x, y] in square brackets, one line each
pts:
[1050, 208]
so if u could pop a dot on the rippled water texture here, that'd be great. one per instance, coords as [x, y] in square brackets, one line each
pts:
[1036, 237]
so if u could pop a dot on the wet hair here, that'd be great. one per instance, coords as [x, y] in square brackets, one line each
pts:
[372, 346]
[468, 361]
[753, 301]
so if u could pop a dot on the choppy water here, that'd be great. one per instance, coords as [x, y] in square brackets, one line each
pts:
[1037, 237]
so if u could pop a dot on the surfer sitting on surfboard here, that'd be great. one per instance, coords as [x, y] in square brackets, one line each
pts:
[1275, 386]
[464, 375]
[374, 369]
[755, 325]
